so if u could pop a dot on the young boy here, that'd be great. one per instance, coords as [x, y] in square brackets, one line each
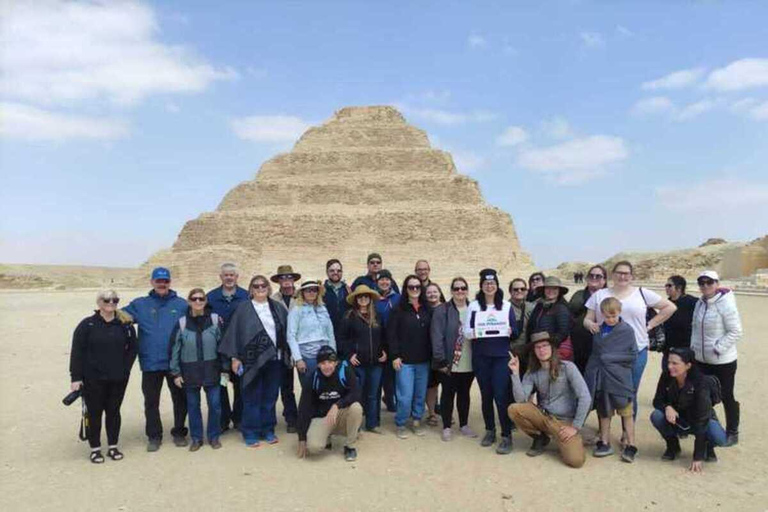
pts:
[609, 377]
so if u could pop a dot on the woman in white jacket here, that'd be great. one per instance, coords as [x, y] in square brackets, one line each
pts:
[716, 329]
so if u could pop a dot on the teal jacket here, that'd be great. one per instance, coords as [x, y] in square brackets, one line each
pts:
[195, 350]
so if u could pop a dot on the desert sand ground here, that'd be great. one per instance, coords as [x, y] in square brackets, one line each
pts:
[45, 467]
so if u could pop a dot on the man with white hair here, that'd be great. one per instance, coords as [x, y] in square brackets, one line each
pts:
[223, 301]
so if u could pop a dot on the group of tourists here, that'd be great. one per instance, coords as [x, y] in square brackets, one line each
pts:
[541, 363]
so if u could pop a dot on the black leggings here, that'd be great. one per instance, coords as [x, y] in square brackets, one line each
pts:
[103, 397]
[726, 374]
[455, 385]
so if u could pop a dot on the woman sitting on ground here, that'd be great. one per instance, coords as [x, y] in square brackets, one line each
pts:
[683, 405]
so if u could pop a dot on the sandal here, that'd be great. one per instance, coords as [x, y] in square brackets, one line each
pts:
[96, 457]
[115, 454]
[432, 420]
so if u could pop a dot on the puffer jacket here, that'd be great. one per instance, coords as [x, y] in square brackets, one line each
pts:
[157, 317]
[716, 328]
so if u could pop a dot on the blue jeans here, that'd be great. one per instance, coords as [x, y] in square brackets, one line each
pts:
[305, 379]
[492, 375]
[716, 435]
[411, 388]
[637, 375]
[213, 398]
[259, 399]
[369, 380]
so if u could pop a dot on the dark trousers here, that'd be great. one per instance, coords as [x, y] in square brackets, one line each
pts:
[582, 349]
[103, 397]
[388, 386]
[493, 378]
[455, 385]
[290, 411]
[151, 386]
[259, 399]
[726, 374]
[233, 413]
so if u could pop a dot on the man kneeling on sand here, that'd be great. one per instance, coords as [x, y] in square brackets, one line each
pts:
[330, 405]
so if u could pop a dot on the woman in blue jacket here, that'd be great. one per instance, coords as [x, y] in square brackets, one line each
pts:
[309, 328]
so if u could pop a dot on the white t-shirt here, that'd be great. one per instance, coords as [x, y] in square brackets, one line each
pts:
[632, 310]
[265, 315]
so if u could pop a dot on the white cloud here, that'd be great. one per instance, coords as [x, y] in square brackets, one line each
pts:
[59, 52]
[467, 162]
[276, 128]
[577, 160]
[696, 109]
[512, 136]
[476, 41]
[592, 39]
[653, 105]
[32, 123]
[557, 128]
[739, 75]
[676, 80]
[446, 117]
[760, 112]
[718, 196]
[172, 108]
[624, 31]
[743, 105]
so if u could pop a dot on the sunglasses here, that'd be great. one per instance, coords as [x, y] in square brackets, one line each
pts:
[460, 289]
[519, 289]
[114, 300]
[596, 276]
[668, 285]
[260, 286]
[706, 282]
[197, 299]
[414, 287]
[310, 290]
[374, 262]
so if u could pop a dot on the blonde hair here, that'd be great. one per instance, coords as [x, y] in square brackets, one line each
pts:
[298, 296]
[121, 315]
[610, 305]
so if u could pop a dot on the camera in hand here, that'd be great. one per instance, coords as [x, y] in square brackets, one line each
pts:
[74, 395]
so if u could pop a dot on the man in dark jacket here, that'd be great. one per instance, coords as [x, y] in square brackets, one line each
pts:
[157, 314]
[331, 405]
[384, 307]
[677, 328]
[223, 301]
[336, 292]
[375, 262]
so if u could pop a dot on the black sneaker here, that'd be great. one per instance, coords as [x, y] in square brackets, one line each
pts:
[180, 441]
[732, 439]
[291, 429]
[628, 455]
[489, 438]
[602, 449]
[350, 454]
[537, 448]
[153, 445]
[673, 449]
[711, 455]
[505, 446]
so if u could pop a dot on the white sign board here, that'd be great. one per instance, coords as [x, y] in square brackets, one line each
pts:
[491, 323]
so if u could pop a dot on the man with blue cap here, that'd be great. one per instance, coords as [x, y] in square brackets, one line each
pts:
[156, 315]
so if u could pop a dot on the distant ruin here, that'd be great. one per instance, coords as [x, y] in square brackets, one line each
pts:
[363, 181]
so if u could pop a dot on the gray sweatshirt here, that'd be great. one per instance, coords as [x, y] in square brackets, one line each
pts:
[566, 398]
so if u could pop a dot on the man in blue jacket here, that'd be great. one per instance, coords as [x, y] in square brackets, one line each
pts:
[157, 314]
[223, 301]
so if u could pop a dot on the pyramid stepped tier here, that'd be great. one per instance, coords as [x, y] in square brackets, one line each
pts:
[363, 181]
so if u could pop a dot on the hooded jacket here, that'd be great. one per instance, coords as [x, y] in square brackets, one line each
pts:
[102, 350]
[716, 328]
[157, 316]
[358, 337]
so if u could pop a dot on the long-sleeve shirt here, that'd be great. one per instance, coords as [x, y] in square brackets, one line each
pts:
[309, 328]
[566, 398]
[318, 398]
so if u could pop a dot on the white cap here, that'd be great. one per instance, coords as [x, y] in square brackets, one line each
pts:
[711, 274]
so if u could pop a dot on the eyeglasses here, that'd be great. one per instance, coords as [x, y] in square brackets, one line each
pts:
[374, 262]
[706, 282]
[623, 274]
[113, 300]
[537, 279]
[519, 289]
[668, 285]
[260, 286]
[595, 276]
[460, 289]
[197, 299]
[414, 287]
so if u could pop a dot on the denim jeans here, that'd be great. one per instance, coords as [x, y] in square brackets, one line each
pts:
[305, 379]
[715, 432]
[637, 375]
[411, 384]
[259, 399]
[493, 379]
[213, 398]
[369, 380]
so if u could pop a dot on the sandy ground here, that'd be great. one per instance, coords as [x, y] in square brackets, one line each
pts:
[45, 467]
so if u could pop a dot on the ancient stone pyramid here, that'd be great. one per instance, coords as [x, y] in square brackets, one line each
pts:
[363, 181]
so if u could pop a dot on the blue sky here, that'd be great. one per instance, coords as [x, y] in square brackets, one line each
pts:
[599, 126]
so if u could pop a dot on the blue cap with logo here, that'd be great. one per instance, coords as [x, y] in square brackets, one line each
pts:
[161, 273]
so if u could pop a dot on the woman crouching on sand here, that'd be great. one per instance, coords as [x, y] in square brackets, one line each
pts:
[683, 405]
[103, 351]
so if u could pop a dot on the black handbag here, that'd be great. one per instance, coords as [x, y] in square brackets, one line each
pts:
[656, 337]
